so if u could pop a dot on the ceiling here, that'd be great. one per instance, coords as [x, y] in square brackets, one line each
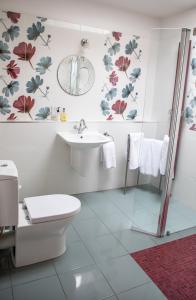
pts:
[152, 8]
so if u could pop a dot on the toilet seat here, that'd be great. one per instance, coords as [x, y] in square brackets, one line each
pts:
[51, 207]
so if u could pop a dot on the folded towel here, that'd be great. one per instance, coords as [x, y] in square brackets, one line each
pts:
[164, 152]
[135, 146]
[150, 156]
[108, 155]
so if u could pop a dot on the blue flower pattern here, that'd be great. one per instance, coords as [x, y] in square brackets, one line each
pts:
[132, 114]
[4, 51]
[35, 30]
[11, 33]
[4, 106]
[34, 84]
[105, 107]
[11, 88]
[43, 113]
[43, 65]
[108, 63]
[111, 94]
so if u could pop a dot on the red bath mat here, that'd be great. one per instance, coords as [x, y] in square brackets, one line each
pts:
[172, 267]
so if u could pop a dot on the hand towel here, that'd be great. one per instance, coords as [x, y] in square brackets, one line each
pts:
[108, 155]
[135, 146]
[150, 156]
[164, 152]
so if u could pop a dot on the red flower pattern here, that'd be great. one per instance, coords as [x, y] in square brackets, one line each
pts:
[12, 69]
[123, 63]
[24, 104]
[24, 51]
[113, 78]
[110, 118]
[13, 16]
[12, 117]
[193, 127]
[119, 107]
[117, 35]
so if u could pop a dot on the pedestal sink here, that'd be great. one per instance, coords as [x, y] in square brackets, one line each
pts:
[82, 147]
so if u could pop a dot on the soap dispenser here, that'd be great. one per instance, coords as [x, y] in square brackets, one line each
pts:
[63, 116]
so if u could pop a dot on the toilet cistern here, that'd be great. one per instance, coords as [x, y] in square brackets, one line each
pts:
[82, 126]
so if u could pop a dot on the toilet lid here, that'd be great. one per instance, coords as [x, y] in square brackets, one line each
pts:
[51, 207]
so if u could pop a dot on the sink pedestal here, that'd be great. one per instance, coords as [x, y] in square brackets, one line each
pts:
[82, 160]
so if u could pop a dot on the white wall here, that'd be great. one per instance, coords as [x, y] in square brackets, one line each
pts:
[41, 157]
[85, 13]
[184, 20]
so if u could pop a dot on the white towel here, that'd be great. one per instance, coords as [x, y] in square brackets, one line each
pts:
[150, 156]
[135, 146]
[108, 155]
[164, 152]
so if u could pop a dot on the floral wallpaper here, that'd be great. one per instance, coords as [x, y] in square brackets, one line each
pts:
[31, 48]
[19, 51]
[190, 106]
[123, 68]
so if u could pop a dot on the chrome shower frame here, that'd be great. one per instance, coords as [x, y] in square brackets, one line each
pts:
[175, 125]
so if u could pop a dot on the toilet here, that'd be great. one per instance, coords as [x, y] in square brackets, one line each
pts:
[40, 223]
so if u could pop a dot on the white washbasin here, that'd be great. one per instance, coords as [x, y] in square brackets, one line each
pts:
[88, 139]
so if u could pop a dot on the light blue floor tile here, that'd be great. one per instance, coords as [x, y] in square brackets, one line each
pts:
[75, 257]
[117, 222]
[6, 294]
[147, 291]
[90, 229]
[72, 235]
[123, 273]
[178, 224]
[5, 281]
[82, 197]
[43, 289]
[187, 232]
[105, 247]
[113, 196]
[149, 228]
[85, 213]
[91, 198]
[85, 284]
[105, 208]
[165, 239]
[32, 272]
[126, 206]
[142, 218]
[134, 241]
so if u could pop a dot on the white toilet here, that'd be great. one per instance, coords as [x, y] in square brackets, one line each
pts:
[40, 222]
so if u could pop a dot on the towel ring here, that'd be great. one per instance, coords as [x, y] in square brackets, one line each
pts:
[109, 135]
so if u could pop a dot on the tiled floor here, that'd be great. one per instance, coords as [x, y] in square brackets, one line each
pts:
[97, 264]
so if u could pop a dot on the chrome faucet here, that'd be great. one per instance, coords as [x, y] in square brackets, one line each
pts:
[82, 126]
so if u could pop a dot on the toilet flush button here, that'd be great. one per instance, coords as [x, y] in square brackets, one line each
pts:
[3, 165]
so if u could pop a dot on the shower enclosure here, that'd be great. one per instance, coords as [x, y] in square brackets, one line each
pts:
[165, 204]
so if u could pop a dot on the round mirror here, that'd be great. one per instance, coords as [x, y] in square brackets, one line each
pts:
[76, 75]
